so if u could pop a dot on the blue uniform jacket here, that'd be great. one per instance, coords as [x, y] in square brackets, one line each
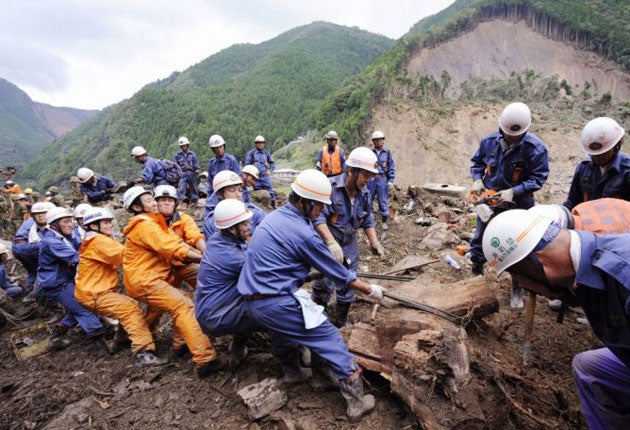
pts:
[24, 229]
[342, 218]
[227, 162]
[525, 168]
[386, 165]
[152, 172]
[589, 184]
[96, 192]
[58, 259]
[261, 159]
[209, 228]
[218, 274]
[187, 161]
[603, 280]
[283, 249]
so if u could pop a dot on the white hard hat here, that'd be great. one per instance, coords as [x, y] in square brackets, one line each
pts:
[57, 213]
[81, 210]
[22, 196]
[183, 140]
[216, 141]
[41, 207]
[556, 213]
[332, 134]
[259, 138]
[84, 174]
[313, 185]
[96, 214]
[252, 170]
[515, 119]
[378, 135]
[511, 236]
[203, 175]
[9, 182]
[3, 248]
[165, 191]
[230, 212]
[363, 158]
[138, 151]
[225, 178]
[600, 135]
[132, 194]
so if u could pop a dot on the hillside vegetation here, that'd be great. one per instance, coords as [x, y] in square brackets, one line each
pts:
[271, 88]
[596, 25]
[26, 127]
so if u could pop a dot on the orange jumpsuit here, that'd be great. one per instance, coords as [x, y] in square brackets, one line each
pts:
[97, 288]
[150, 251]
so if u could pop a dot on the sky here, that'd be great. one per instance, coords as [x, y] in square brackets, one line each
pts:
[90, 54]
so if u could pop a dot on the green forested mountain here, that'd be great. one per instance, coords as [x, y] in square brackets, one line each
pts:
[271, 88]
[595, 25]
[26, 126]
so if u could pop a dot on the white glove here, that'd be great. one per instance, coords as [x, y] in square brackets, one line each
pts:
[507, 195]
[377, 292]
[377, 249]
[478, 187]
[335, 250]
[390, 187]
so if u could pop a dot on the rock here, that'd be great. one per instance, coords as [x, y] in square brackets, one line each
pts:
[445, 189]
[263, 398]
[439, 237]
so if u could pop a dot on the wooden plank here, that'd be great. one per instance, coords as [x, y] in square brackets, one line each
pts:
[409, 262]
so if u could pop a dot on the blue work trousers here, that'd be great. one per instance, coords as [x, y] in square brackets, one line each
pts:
[28, 255]
[282, 316]
[378, 190]
[323, 288]
[188, 180]
[236, 320]
[603, 383]
[75, 313]
[264, 183]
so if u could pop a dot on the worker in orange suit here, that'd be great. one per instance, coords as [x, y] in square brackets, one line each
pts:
[151, 250]
[96, 288]
[12, 188]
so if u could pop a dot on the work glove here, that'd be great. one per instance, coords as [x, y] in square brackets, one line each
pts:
[377, 292]
[335, 250]
[478, 187]
[390, 187]
[507, 195]
[377, 249]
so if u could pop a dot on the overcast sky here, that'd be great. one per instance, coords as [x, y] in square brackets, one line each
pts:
[92, 53]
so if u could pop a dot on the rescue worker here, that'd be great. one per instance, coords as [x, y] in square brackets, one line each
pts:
[606, 173]
[150, 251]
[76, 195]
[97, 285]
[12, 188]
[29, 195]
[249, 176]
[189, 164]
[58, 259]
[221, 160]
[56, 197]
[11, 289]
[263, 161]
[595, 270]
[79, 213]
[21, 212]
[331, 160]
[6, 211]
[283, 249]
[152, 171]
[96, 188]
[228, 185]
[383, 181]
[203, 185]
[513, 162]
[350, 210]
[219, 307]
[27, 241]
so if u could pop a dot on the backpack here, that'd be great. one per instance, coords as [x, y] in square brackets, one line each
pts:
[172, 171]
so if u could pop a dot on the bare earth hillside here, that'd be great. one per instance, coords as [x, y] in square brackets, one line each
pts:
[497, 48]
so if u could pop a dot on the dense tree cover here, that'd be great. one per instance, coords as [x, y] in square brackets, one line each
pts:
[270, 89]
[598, 25]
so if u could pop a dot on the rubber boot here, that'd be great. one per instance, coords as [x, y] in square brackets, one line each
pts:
[357, 403]
[477, 268]
[384, 225]
[237, 351]
[99, 346]
[121, 340]
[341, 315]
[206, 369]
[323, 379]
[57, 340]
[148, 358]
[293, 372]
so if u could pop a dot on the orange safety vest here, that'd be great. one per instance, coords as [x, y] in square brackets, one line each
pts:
[602, 216]
[331, 163]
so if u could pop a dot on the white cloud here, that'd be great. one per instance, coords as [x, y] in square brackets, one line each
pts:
[90, 54]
